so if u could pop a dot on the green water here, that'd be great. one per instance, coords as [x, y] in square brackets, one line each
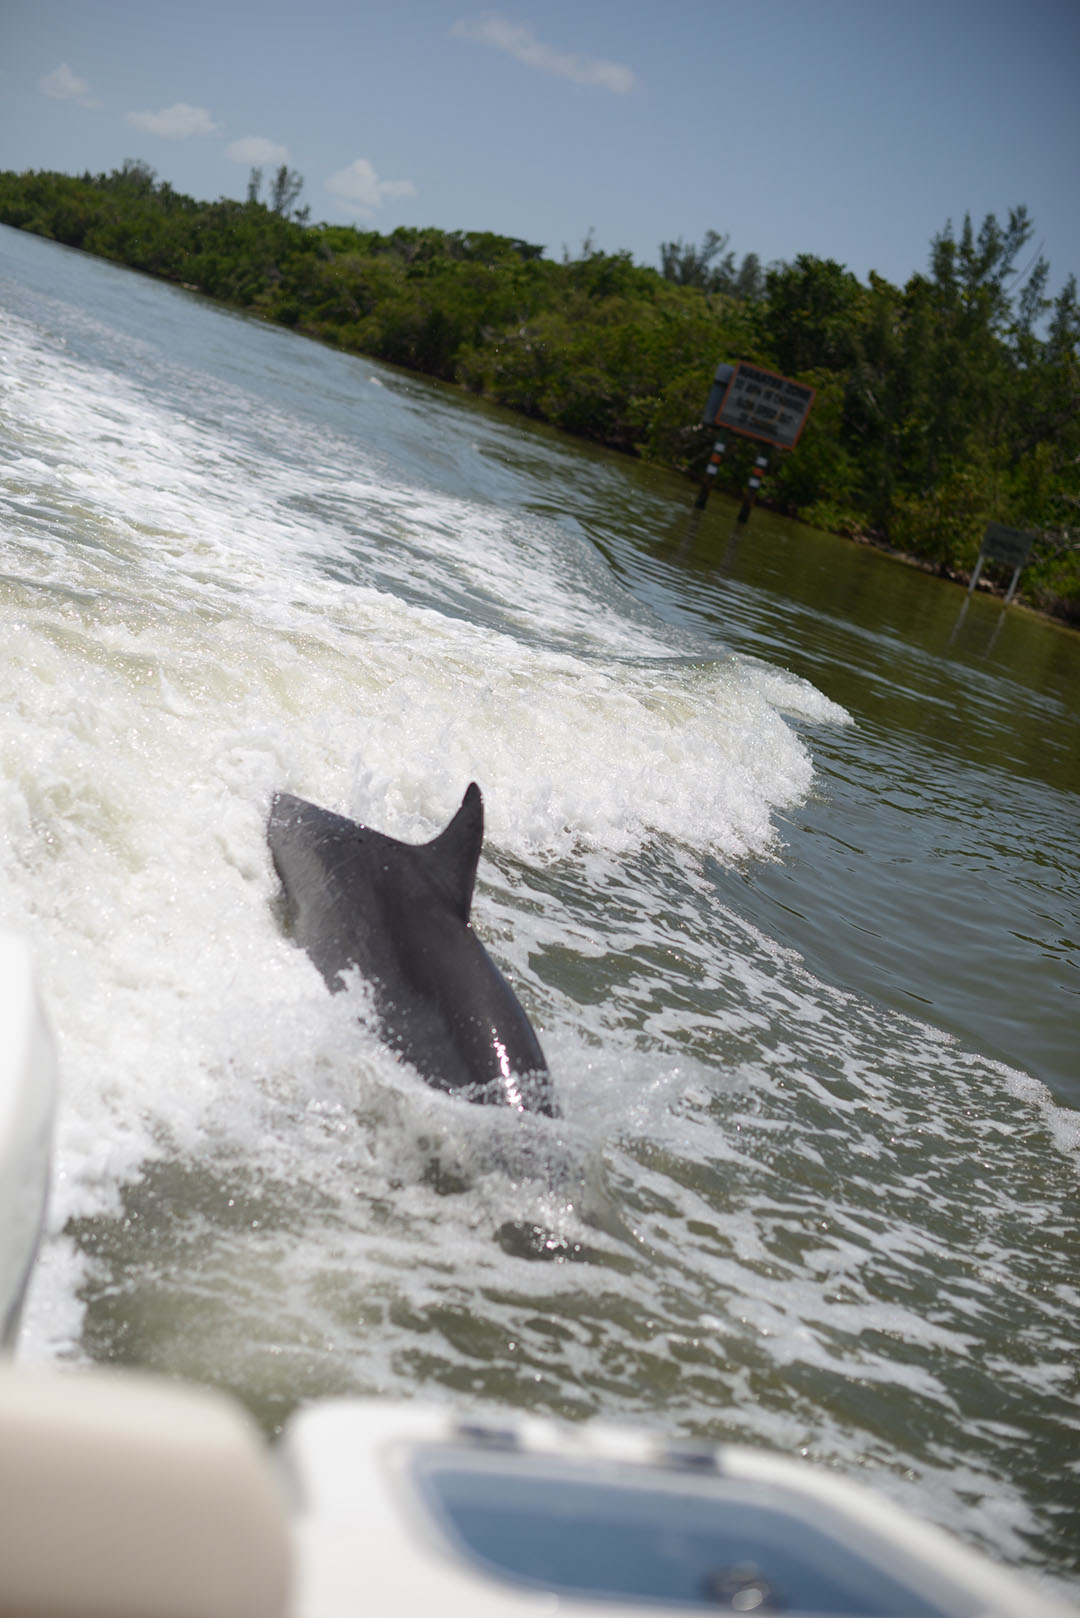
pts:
[807, 986]
[937, 866]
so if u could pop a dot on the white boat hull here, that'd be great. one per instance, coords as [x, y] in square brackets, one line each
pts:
[27, 1106]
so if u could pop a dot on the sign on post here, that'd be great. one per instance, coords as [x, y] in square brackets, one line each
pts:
[762, 404]
[1009, 545]
[753, 403]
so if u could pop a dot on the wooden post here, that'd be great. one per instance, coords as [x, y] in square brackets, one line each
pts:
[711, 470]
[761, 466]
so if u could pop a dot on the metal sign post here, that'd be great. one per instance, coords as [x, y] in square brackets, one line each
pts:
[1000, 544]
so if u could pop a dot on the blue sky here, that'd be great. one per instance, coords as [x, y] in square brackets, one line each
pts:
[852, 129]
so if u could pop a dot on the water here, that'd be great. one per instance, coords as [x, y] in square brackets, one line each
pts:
[781, 859]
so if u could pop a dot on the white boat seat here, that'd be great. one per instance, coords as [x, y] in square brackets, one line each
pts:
[125, 1497]
[27, 1103]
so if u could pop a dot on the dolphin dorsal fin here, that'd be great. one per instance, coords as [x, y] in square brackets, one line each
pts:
[456, 851]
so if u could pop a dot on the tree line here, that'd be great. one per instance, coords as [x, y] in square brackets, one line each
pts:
[941, 405]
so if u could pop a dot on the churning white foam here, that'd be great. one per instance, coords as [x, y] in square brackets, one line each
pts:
[203, 599]
[191, 623]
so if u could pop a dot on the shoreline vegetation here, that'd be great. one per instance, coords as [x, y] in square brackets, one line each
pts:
[941, 406]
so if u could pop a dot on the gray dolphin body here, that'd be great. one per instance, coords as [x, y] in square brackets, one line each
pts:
[399, 912]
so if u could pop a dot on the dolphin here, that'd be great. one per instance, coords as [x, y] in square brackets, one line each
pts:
[399, 912]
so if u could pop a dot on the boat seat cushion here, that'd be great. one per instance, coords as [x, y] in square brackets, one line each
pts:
[124, 1497]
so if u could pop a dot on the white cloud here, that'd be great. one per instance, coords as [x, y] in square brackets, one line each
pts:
[521, 43]
[64, 85]
[361, 190]
[176, 122]
[257, 149]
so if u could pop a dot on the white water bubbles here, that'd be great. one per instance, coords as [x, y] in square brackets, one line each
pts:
[844, 1211]
[771, 1209]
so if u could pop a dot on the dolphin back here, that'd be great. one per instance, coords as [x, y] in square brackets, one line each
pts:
[399, 913]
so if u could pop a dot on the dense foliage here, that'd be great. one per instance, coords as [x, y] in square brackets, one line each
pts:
[941, 405]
